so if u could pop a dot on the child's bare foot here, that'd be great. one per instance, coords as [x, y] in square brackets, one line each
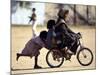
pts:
[18, 55]
[37, 67]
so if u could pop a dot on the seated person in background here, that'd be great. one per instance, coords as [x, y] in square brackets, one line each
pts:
[54, 40]
[33, 46]
[51, 34]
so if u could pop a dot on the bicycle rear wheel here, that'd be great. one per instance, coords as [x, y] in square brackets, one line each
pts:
[54, 58]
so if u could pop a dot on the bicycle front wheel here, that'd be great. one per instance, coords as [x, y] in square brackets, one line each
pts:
[85, 56]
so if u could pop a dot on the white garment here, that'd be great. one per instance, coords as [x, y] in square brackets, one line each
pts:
[34, 24]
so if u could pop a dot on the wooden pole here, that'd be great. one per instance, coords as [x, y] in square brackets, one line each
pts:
[74, 14]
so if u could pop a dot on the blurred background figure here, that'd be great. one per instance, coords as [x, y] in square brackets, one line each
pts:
[33, 19]
[21, 10]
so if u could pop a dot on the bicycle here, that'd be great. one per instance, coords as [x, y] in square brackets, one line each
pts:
[84, 55]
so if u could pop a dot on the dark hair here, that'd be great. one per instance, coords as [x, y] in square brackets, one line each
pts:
[43, 35]
[66, 12]
[33, 9]
[62, 12]
[50, 24]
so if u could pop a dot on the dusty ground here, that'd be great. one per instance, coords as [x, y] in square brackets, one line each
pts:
[20, 35]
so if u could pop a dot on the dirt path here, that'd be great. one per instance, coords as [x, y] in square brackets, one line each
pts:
[20, 35]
